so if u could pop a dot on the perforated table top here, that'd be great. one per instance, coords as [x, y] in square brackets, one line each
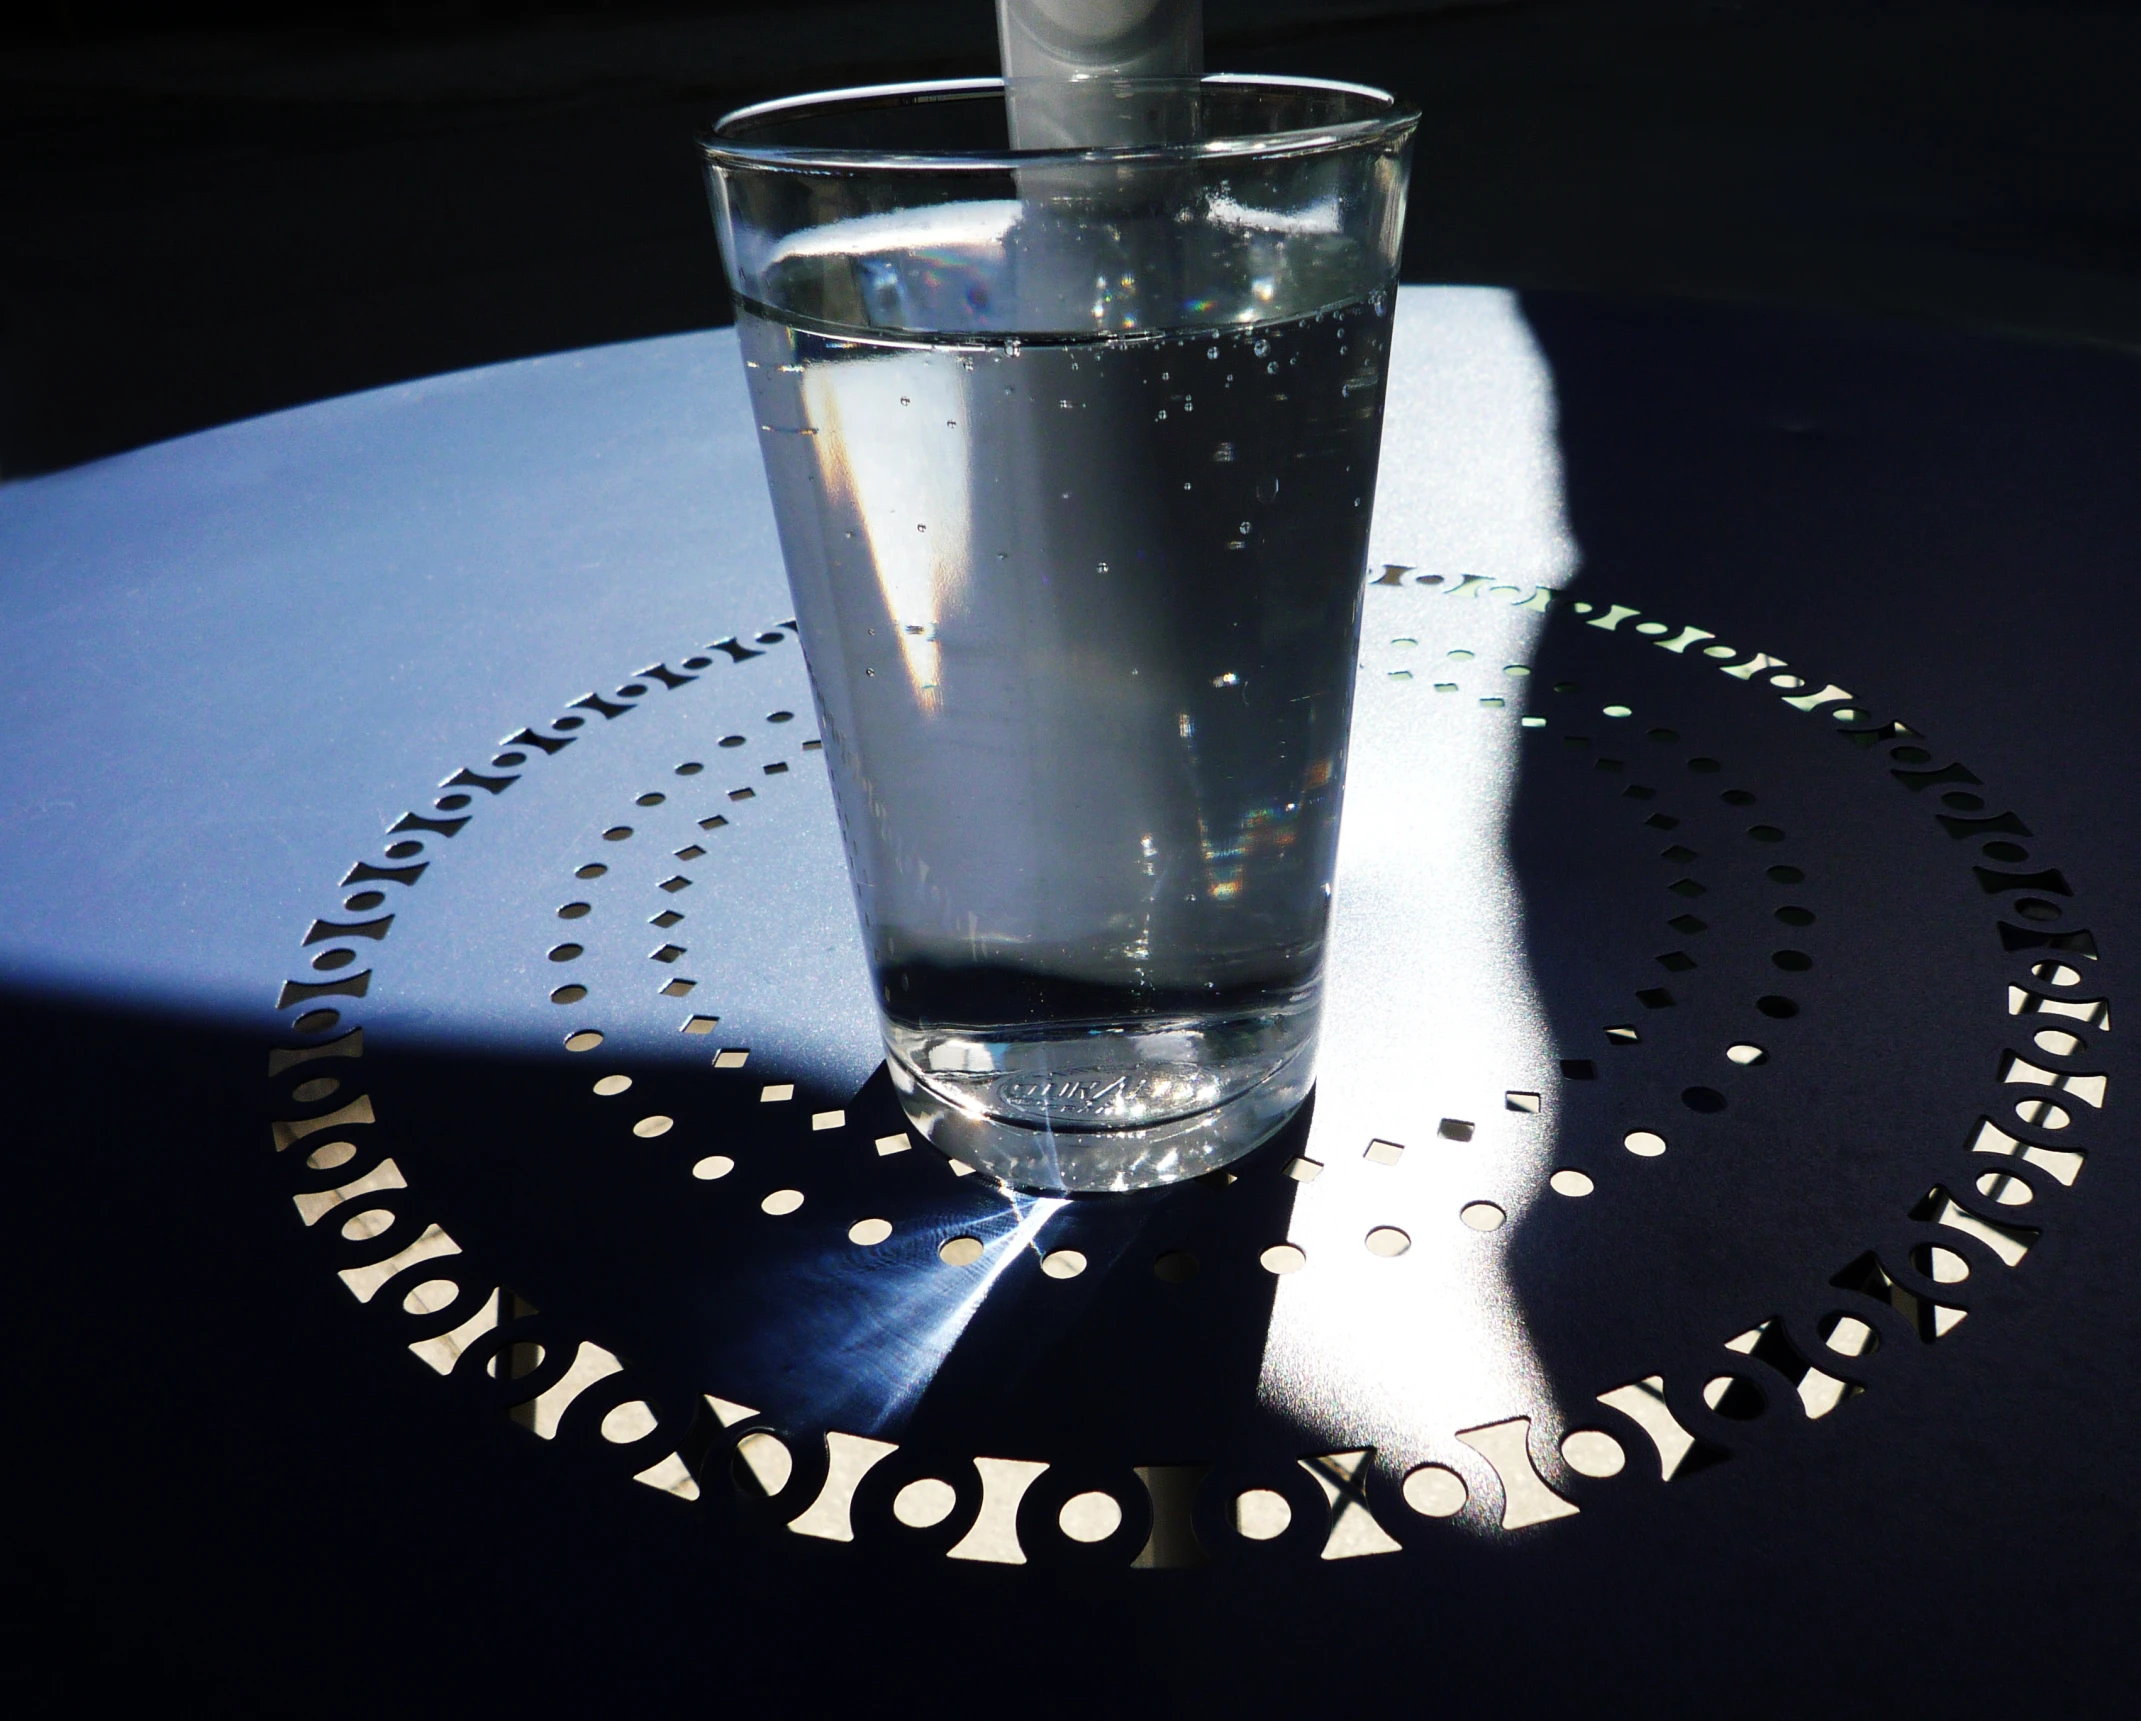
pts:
[467, 1225]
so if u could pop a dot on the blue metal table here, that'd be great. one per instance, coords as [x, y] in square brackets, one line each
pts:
[474, 1255]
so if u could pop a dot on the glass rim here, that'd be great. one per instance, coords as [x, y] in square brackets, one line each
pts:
[1397, 117]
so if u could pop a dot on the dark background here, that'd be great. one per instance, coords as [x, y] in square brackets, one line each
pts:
[213, 210]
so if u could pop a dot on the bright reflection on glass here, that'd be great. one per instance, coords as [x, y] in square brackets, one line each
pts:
[1430, 1012]
[881, 460]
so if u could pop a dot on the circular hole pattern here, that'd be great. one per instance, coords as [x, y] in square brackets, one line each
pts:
[564, 952]
[781, 1202]
[568, 994]
[770, 639]
[1479, 1215]
[402, 851]
[593, 869]
[1706, 766]
[868, 1233]
[1910, 755]
[568, 723]
[2036, 908]
[2005, 1188]
[1282, 1258]
[1777, 1005]
[310, 1093]
[1388, 1241]
[1963, 801]
[2005, 852]
[1618, 711]
[1435, 1491]
[1847, 1335]
[1570, 1182]
[2043, 1114]
[609, 1085]
[1735, 1396]
[1793, 916]
[697, 662]
[575, 910]
[373, 1220]
[616, 833]
[1702, 1099]
[690, 768]
[713, 1166]
[780, 716]
[924, 1503]
[1647, 1143]
[332, 959]
[731, 741]
[2058, 1042]
[649, 1127]
[1942, 1266]
[583, 1040]
[317, 1021]
[631, 690]
[1176, 1267]
[430, 1297]
[1090, 1517]
[1261, 1514]
[1792, 961]
[1765, 833]
[1746, 1053]
[627, 1422]
[767, 1464]
[507, 761]
[1063, 1263]
[331, 1154]
[450, 803]
[364, 901]
[529, 1356]
[1592, 1452]
[652, 798]
[1786, 875]
[1664, 737]
[2051, 973]
[959, 1251]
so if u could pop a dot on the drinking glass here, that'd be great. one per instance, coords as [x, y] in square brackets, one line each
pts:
[1072, 454]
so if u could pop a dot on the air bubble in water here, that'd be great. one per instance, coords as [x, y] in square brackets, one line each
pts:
[1261, 348]
[1211, 352]
[1272, 369]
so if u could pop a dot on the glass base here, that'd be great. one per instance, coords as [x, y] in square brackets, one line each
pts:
[1077, 1117]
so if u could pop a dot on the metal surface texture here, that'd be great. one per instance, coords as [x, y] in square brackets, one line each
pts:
[1710, 1199]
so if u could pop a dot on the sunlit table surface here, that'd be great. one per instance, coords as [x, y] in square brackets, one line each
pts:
[236, 659]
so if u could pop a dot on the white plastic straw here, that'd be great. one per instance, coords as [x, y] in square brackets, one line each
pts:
[1063, 60]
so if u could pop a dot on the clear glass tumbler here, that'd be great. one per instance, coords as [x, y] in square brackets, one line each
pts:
[1073, 454]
